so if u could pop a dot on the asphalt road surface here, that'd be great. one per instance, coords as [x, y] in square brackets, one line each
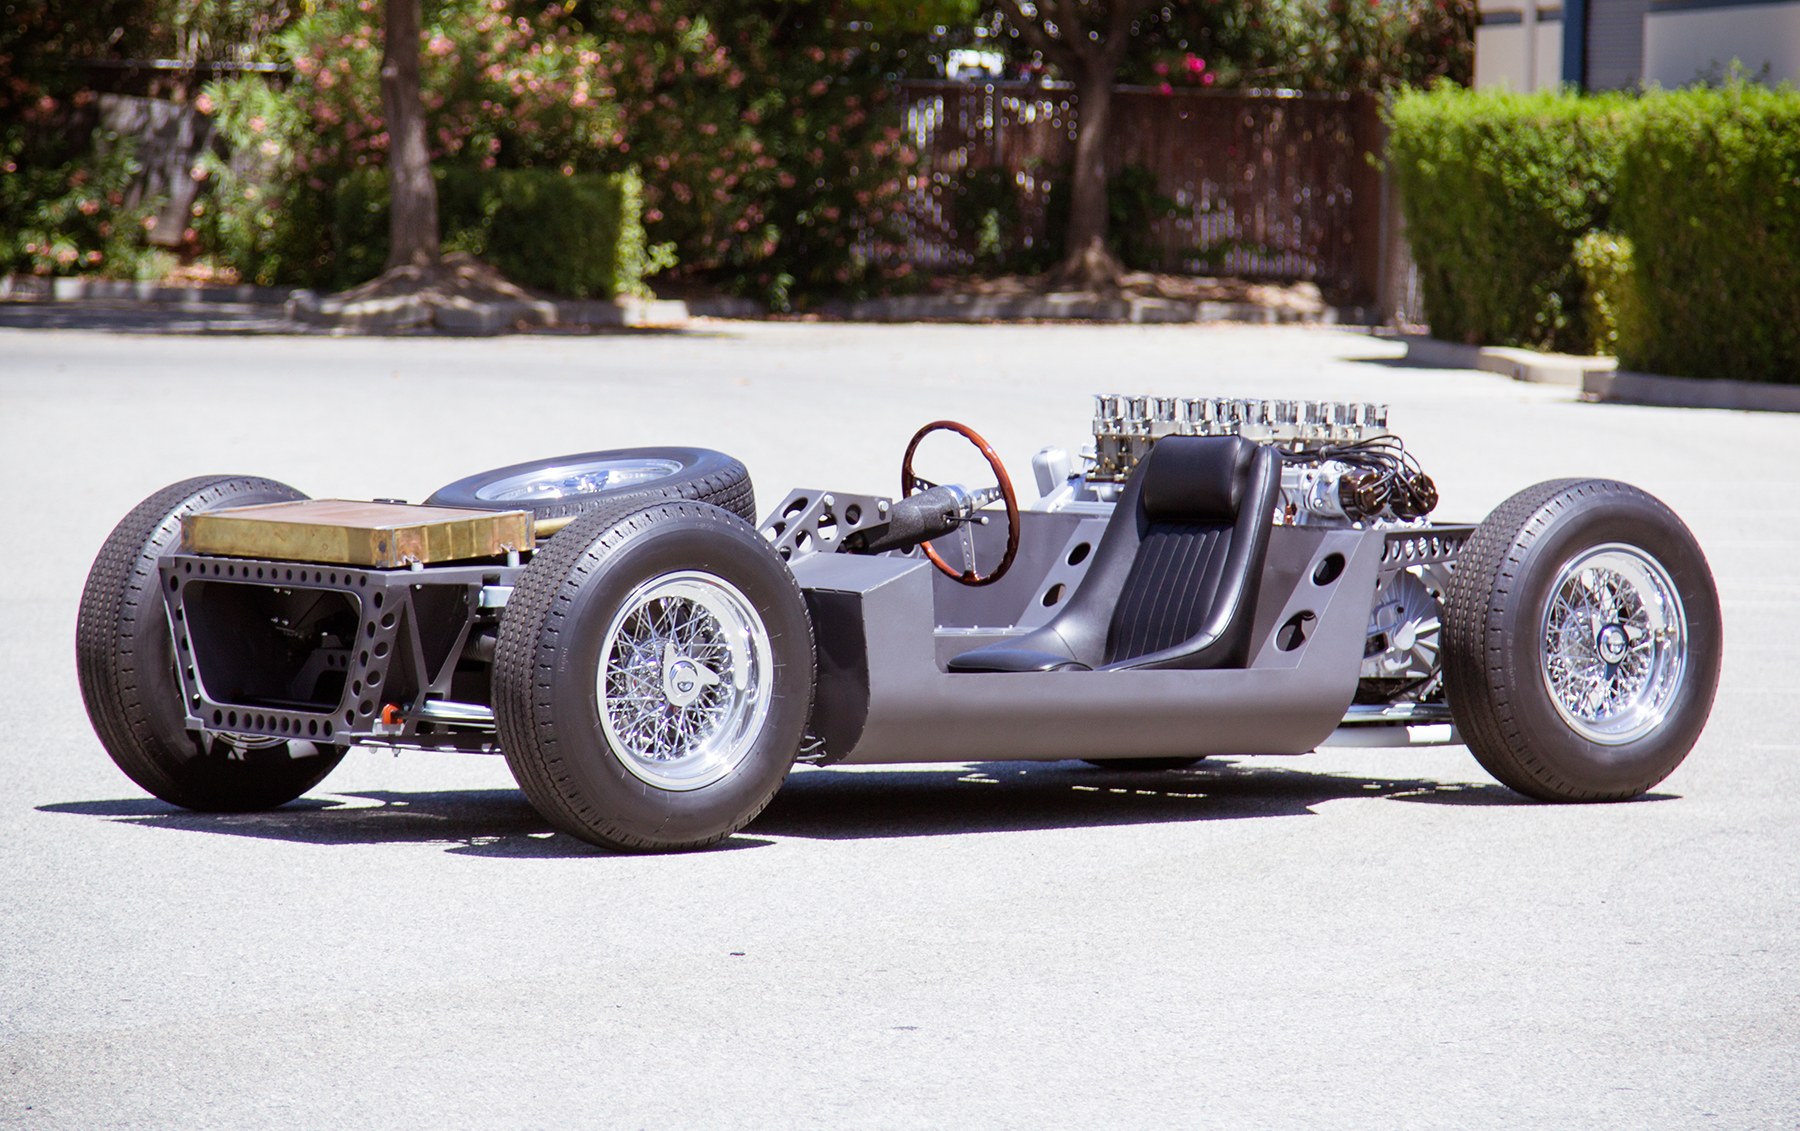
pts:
[1350, 938]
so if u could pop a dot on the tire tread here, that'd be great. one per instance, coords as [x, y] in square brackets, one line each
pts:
[121, 583]
[529, 643]
[1479, 673]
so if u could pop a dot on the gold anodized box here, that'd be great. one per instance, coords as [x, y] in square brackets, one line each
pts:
[348, 532]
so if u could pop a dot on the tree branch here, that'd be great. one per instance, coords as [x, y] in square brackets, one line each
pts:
[1053, 50]
[1067, 15]
[1118, 30]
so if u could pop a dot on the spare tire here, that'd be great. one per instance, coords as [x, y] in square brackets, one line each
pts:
[558, 490]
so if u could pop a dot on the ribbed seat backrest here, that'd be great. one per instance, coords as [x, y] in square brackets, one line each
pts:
[1171, 589]
[1188, 512]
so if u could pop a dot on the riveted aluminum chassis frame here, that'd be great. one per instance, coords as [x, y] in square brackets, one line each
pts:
[886, 625]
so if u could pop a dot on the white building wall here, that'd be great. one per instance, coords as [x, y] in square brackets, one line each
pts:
[1682, 46]
[1500, 54]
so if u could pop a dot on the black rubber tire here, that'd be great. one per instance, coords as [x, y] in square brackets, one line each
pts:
[1493, 653]
[546, 706]
[1143, 765]
[126, 665]
[703, 474]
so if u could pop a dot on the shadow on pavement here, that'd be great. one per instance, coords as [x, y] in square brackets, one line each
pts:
[1009, 796]
[829, 804]
[469, 822]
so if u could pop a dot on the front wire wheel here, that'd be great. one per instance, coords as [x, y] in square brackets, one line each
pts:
[686, 681]
[654, 676]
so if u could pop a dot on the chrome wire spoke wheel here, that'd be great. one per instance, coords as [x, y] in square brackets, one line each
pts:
[685, 681]
[1614, 641]
[588, 477]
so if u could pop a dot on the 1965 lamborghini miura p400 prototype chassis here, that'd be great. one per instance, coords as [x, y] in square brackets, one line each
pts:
[1213, 577]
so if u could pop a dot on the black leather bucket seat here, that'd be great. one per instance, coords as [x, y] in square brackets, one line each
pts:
[1173, 583]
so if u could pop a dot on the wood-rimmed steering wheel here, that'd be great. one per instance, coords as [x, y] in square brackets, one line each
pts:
[911, 483]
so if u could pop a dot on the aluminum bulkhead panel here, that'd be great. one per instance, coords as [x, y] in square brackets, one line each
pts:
[1286, 702]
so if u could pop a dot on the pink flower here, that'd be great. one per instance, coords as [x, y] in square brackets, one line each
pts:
[1164, 88]
[1161, 67]
[1207, 78]
[203, 104]
[1195, 64]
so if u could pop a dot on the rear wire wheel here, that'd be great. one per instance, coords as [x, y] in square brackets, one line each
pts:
[125, 660]
[1582, 641]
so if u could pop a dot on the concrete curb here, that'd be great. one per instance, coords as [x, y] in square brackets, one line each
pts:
[1600, 379]
[307, 310]
[1566, 370]
[1625, 387]
[1077, 307]
[726, 306]
[37, 288]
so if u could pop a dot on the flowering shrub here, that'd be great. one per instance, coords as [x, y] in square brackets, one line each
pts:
[65, 200]
[1306, 44]
[67, 214]
[500, 89]
[769, 159]
[771, 153]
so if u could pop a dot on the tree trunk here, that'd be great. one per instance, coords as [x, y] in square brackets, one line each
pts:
[413, 226]
[1088, 262]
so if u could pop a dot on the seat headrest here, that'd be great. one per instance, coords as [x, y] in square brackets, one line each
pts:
[1196, 478]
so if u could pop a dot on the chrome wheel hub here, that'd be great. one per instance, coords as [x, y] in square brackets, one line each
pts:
[589, 477]
[685, 681]
[1614, 644]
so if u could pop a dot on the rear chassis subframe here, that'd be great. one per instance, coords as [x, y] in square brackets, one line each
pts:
[333, 655]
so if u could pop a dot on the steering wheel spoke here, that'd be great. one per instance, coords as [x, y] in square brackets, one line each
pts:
[1001, 491]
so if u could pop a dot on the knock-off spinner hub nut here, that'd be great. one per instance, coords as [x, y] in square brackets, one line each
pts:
[1612, 643]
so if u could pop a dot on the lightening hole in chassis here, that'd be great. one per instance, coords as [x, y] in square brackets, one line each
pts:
[1053, 595]
[1329, 569]
[277, 649]
[1293, 633]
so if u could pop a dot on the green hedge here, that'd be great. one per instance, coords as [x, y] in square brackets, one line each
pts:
[1497, 187]
[1606, 261]
[1709, 196]
[580, 236]
[1664, 228]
